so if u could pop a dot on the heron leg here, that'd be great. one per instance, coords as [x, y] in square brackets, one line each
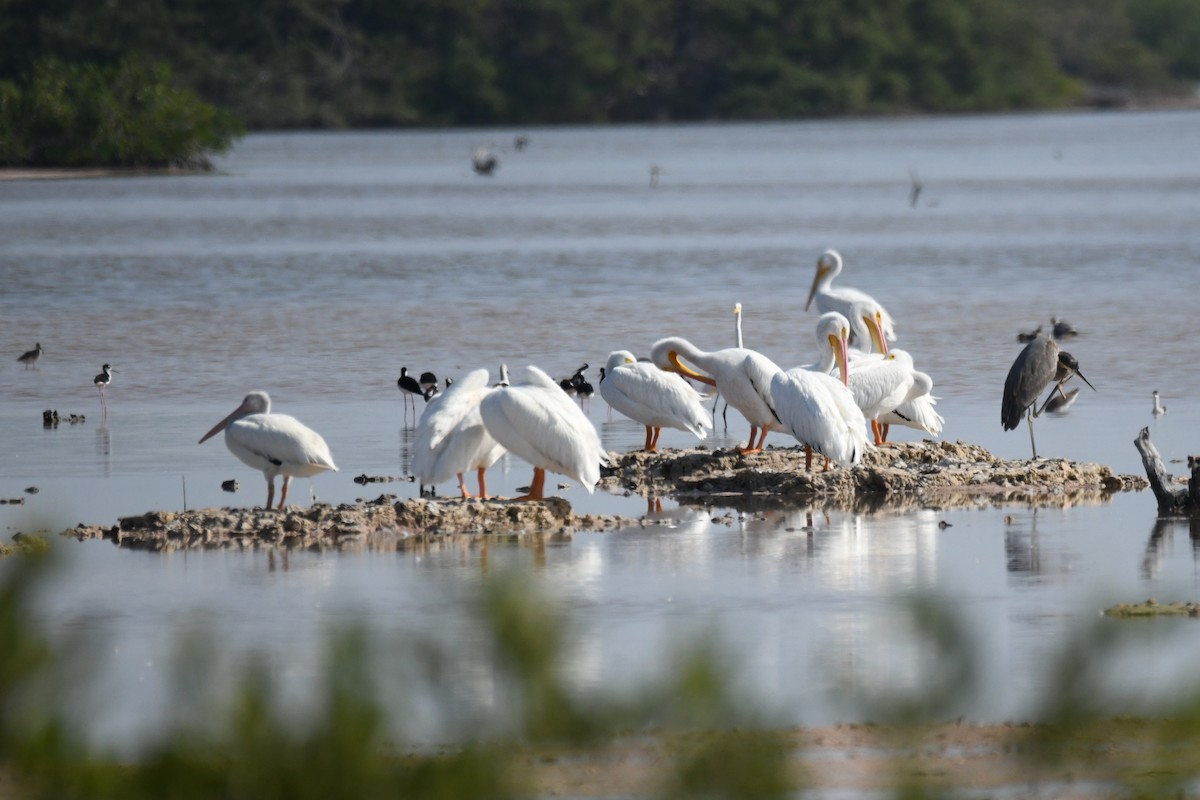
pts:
[287, 481]
[536, 488]
[724, 412]
[1029, 418]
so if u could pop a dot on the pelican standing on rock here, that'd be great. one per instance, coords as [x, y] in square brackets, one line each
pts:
[656, 399]
[274, 444]
[842, 298]
[1039, 363]
[451, 437]
[534, 420]
[742, 376]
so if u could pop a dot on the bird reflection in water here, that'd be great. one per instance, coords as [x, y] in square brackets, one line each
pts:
[104, 449]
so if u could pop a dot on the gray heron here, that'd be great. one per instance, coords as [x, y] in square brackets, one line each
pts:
[1039, 364]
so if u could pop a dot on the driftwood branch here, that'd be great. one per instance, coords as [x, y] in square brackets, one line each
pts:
[1172, 499]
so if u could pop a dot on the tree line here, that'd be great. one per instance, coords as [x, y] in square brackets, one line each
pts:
[354, 63]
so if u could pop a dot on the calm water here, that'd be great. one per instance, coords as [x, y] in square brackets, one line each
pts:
[314, 266]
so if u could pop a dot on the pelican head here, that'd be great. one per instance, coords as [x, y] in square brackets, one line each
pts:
[829, 264]
[253, 403]
[833, 331]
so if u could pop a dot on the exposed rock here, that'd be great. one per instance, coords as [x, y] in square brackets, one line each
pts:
[925, 474]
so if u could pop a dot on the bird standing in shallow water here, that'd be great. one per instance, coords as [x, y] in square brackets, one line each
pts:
[30, 358]
[275, 444]
[1159, 408]
[409, 388]
[102, 381]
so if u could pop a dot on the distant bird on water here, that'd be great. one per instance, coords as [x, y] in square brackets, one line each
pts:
[275, 444]
[1026, 337]
[850, 303]
[1039, 364]
[30, 358]
[102, 381]
[914, 192]
[1062, 329]
[1159, 409]
[484, 160]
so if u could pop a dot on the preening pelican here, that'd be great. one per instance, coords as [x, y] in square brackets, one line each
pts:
[657, 399]
[275, 444]
[918, 412]
[451, 437]
[842, 298]
[1039, 363]
[30, 358]
[817, 408]
[742, 376]
[534, 420]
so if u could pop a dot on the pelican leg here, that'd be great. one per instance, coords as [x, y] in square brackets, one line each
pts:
[462, 487]
[826, 467]
[807, 458]
[483, 495]
[762, 440]
[654, 443]
[885, 428]
[287, 481]
[724, 417]
[536, 488]
[749, 448]
[649, 446]
[876, 431]
[270, 491]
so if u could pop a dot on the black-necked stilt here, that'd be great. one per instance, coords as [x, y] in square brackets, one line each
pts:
[30, 358]
[583, 389]
[409, 388]
[1025, 337]
[1159, 409]
[429, 385]
[1062, 329]
[275, 444]
[103, 380]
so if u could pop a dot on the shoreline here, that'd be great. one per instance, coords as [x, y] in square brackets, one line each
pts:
[927, 474]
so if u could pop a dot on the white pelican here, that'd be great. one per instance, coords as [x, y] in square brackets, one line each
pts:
[842, 299]
[275, 444]
[30, 358]
[102, 381]
[742, 376]
[533, 419]
[657, 399]
[819, 409]
[918, 412]
[451, 437]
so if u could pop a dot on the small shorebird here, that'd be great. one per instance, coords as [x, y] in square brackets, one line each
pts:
[103, 380]
[409, 388]
[30, 358]
[1159, 408]
[1062, 329]
[429, 385]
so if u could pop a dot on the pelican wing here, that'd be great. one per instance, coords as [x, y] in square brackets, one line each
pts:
[648, 395]
[819, 411]
[279, 445]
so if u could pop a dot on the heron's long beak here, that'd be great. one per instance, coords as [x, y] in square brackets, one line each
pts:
[687, 371]
[812, 292]
[841, 355]
[1085, 380]
[220, 426]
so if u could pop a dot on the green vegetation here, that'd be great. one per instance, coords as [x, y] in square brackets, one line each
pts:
[125, 115]
[353, 63]
[688, 735]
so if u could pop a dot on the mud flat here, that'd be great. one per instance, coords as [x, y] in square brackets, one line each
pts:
[921, 474]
